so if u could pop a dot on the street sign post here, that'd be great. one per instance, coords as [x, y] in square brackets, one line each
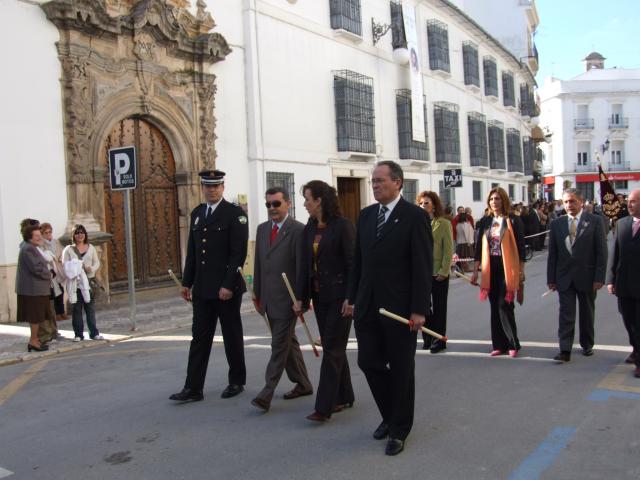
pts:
[122, 172]
[453, 178]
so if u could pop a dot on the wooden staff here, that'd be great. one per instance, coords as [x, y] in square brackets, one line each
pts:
[300, 316]
[386, 313]
[463, 276]
[254, 298]
[548, 292]
[175, 280]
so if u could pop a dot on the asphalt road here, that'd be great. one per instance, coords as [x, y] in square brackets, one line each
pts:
[104, 413]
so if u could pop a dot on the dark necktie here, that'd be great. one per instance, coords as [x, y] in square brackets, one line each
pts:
[635, 228]
[274, 233]
[381, 213]
[209, 211]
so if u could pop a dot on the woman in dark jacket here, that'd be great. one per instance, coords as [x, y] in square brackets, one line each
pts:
[327, 253]
[32, 285]
[500, 252]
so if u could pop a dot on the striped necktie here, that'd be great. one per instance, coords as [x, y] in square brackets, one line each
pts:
[381, 214]
[572, 230]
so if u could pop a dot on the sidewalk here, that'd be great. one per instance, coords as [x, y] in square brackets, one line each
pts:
[157, 311]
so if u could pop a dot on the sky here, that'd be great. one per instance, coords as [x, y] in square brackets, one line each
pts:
[571, 29]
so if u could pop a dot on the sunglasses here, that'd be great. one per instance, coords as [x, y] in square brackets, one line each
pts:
[275, 204]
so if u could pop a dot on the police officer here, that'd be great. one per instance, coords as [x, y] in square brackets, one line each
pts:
[218, 236]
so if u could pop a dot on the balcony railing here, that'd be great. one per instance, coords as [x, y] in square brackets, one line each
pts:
[584, 167]
[618, 167]
[583, 123]
[618, 123]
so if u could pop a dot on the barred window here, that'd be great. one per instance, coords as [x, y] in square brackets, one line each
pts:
[398, 37]
[477, 191]
[508, 90]
[355, 117]
[528, 154]
[495, 132]
[445, 118]
[586, 190]
[490, 70]
[514, 151]
[345, 15]
[438, 39]
[471, 65]
[410, 189]
[409, 148]
[512, 192]
[527, 101]
[283, 180]
[477, 140]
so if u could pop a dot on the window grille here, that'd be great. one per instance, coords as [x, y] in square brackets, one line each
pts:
[514, 151]
[445, 118]
[409, 148]
[471, 65]
[438, 39]
[410, 190]
[355, 118]
[508, 90]
[447, 195]
[527, 101]
[586, 190]
[283, 180]
[398, 36]
[477, 191]
[512, 192]
[345, 15]
[528, 154]
[477, 140]
[490, 70]
[495, 132]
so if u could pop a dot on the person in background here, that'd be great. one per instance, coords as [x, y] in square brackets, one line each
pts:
[470, 219]
[464, 246]
[442, 254]
[81, 250]
[455, 220]
[32, 285]
[54, 248]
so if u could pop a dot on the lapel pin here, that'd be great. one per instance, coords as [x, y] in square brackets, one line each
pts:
[197, 220]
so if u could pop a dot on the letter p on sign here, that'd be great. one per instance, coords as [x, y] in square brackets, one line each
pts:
[122, 168]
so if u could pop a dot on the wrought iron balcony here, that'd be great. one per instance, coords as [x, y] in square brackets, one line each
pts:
[584, 167]
[583, 123]
[618, 123]
[618, 167]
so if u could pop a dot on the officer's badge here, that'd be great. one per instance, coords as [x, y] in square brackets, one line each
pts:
[197, 220]
[242, 219]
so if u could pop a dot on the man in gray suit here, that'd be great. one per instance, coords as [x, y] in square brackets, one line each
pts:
[576, 268]
[623, 275]
[278, 244]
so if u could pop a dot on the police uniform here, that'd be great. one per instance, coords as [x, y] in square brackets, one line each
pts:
[217, 247]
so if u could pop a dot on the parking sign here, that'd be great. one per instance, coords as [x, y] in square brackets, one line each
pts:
[122, 168]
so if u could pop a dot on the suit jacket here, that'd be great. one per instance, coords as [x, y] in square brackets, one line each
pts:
[624, 265]
[32, 275]
[483, 227]
[442, 233]
[216, 248]
[394, 270]
[271, 261]
[334, 262]
[582, 264]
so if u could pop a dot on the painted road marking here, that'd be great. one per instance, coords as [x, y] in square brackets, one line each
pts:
[543, 457]
[615, 380]
[5, 473]
[20, 381]
[600, 395]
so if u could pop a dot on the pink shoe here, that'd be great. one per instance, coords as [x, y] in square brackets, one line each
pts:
[513, 353]
[495, 353]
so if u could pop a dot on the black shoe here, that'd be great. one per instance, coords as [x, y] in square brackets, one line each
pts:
[381, 432]
[587, 352]
[394, 446]
[41, 348]
[187, 395]
[232, 390]
[562, 357]
[437, 348]
[631, 358]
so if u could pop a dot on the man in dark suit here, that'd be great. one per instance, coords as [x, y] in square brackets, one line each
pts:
[277, 251]
[393, 262]
[217, 247]
[623, 275]
[576, 267]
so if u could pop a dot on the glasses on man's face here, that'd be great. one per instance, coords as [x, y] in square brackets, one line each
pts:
[274, 204]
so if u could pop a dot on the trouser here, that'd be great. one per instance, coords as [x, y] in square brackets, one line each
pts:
[629, 308]
[567, 318]
[205, 318]
[438, 320]
[285, 356]
[386, 355]
[504, 333]
[90, 312]
[335, 386]
[58, 303]
[48, 329]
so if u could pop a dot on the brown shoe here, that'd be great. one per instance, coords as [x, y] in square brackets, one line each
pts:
[297, 392]
[341, 406]
[636, 373]
[318, 417]
[631, 358]
[260, 403]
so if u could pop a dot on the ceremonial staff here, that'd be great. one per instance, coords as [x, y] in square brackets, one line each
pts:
[176, 281]
[255, 299]
[300, 316]
[386, 313]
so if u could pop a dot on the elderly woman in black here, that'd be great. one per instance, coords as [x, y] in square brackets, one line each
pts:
[327, 253]
[500, 252]
[32, 285]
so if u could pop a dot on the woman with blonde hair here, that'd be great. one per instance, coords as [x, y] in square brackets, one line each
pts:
[500, 252]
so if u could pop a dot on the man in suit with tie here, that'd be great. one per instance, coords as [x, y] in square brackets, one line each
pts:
[393, 263]
[217, 247]
[576, 267]
[623, 274]
[278, 250]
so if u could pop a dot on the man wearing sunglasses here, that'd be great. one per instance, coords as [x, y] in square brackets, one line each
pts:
[217, 246]
[277, 251]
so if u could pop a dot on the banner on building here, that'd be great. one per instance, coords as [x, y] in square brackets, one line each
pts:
[417, 95]
[610, 203]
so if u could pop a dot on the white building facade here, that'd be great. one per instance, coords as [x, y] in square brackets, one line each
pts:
[593, 118]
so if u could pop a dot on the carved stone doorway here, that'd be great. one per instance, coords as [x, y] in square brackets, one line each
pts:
[154, 207]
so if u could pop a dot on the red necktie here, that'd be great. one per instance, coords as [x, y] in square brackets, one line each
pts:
[274, 233]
